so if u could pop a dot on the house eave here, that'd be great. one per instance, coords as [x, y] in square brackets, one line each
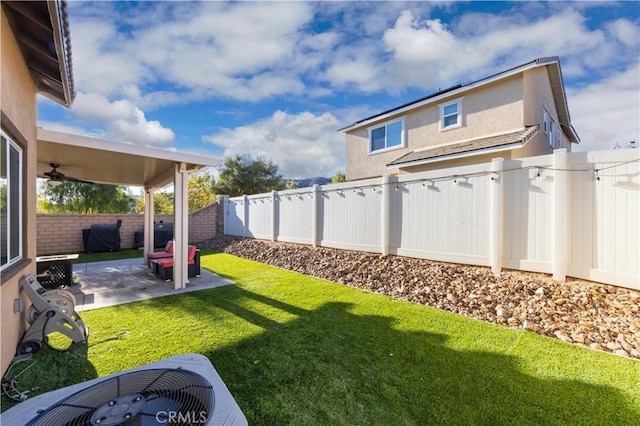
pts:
[456, 91]
[459, 155]
[41, 29]
[62, 42]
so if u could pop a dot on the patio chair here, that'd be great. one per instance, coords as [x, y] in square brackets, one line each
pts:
[167, 252]
[165, 266]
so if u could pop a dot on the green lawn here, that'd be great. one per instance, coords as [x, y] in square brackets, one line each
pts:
[109, 255]
[298, 350]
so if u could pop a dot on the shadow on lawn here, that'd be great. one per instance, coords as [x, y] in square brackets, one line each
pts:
[330, 366]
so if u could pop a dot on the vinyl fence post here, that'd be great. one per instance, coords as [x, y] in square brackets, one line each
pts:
[245, 219]
[316, 215]
[560, 193]
[274, 214]
[225, 213]
[495, 250]
[384, 217]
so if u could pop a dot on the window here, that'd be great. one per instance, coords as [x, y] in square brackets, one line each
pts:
[10, 202]
[550, 128]
[545, 122]
[451, 114]
[390, 135]
[555, 140]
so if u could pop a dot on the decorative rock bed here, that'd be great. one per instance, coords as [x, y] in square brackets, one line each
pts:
[585, 313]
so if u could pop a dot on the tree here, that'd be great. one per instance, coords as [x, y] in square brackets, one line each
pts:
[243, 175]
[201, 191]
[162, 203]
[291, 184]
[338, 177]
[80, 197]
[200, 195]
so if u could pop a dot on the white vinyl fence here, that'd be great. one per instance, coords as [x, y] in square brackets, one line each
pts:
[575, 214]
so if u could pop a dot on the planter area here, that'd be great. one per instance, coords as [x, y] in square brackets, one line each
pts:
[585, 313]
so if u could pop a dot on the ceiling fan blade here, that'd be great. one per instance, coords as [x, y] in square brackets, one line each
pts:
[72, 179]
[55, 175]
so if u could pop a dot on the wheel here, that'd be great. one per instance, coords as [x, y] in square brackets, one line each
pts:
[32, 314]
[61, 300]
[29, 347]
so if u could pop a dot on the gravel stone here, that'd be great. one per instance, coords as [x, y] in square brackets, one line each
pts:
[602, 317]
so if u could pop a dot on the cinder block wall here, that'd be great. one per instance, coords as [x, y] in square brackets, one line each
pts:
[202, 223]
[62, 233]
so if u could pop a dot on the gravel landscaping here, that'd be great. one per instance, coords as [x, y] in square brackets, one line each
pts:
[585, 313]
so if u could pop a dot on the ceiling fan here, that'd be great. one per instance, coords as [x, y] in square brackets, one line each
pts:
[56, 177]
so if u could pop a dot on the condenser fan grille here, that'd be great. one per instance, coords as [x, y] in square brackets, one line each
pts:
[146, 397]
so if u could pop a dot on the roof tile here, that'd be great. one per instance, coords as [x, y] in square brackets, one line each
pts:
[476, 146]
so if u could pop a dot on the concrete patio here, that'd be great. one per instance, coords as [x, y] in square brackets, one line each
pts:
[115, 282]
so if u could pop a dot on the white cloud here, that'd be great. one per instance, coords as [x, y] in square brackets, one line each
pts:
[356, 66]
[625, 31]
[100, 62]
[302, 145]
[252, 51]
[244, 50]
[225, 49]
[123, 120]
[606, 113]
[427, 53]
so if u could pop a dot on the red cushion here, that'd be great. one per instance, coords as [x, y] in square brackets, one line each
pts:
[169, 247]
[159, 255]
[192, 253]
[166, 263]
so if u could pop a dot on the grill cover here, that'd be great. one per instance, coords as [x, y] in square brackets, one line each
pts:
[102, 237]
[162, 233]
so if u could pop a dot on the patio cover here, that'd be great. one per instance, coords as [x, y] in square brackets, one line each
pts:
[103, 161]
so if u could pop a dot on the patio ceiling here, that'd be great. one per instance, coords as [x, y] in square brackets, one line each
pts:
[103, 161]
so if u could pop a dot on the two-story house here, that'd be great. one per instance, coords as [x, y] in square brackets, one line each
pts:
[516, 113]
[35, 58]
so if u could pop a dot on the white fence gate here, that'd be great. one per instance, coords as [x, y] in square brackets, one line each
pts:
[575, 214]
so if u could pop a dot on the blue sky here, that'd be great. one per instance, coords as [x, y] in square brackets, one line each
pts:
[277, 79]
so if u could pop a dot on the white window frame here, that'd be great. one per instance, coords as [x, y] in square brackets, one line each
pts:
[555, 138]
[552, 130]
[458, 123]
[13, 187]
[403, 139]
[545, 121]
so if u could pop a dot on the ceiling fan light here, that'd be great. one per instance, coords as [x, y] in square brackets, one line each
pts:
[54, 182]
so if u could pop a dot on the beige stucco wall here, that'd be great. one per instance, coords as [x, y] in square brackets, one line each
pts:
[491, 109]
[18, 103]
[538, 96]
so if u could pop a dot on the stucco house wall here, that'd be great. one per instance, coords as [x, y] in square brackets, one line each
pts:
[487, 110]
[501, 104]
[19, 122]
[538, 97]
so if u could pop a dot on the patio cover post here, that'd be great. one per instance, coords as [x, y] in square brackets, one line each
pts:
[149, 242]
[181, 226]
